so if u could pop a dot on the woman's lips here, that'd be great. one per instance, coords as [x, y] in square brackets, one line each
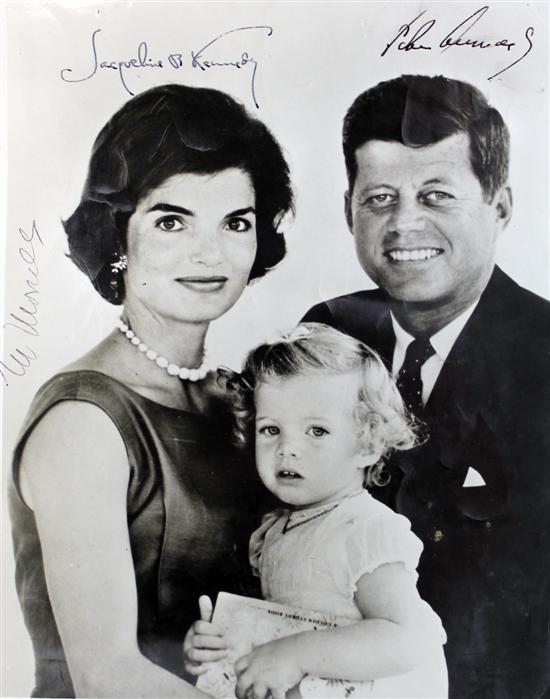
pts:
[203, 284]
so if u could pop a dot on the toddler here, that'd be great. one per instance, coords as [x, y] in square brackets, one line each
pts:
[323, 414]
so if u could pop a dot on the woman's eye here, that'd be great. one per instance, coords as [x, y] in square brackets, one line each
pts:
[269, 430]
[170, 224]
[239, 225]
[316, 431]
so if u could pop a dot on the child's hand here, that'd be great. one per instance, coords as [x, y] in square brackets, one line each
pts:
[271, 668]
[204, 642]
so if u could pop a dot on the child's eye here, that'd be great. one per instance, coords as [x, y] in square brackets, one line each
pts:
[169, 224]
[316, 431]
[269, 430]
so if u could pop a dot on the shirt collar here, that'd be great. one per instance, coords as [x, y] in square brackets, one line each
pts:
[442, 341]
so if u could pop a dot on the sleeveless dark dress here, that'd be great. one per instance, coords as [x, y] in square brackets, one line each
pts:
[191, 507]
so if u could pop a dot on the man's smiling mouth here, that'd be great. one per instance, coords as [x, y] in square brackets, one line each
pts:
[412, 255]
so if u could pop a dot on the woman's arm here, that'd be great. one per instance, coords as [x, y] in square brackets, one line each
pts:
[392, 639]
[74, 474]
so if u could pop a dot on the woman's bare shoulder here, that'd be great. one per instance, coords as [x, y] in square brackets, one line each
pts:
[111, 358]
[103, 357]
[72, 441]
[73, 420]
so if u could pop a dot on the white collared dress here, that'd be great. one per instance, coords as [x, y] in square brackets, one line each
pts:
[313, 559]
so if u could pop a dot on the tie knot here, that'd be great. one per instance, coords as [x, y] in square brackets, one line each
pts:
[409, 379]
[418, 351]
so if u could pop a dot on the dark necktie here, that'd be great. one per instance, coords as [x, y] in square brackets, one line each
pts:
[409, 381]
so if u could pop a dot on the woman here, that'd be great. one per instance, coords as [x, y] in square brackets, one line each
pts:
[126, 501]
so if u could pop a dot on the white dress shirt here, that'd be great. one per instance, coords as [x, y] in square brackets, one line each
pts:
[442, 342]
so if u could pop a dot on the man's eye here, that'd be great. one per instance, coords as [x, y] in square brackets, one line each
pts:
[239, 225]
[170, 224]
[316, 431]
[269, 430]
[437, 197]
[380, 201]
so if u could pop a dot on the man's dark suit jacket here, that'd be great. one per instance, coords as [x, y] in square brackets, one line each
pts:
[486, 562]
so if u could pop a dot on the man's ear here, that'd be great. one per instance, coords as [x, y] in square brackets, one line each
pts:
[504, 204]
[347, 210]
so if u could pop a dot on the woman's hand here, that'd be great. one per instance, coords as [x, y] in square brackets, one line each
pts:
[271, 668]
[204, 642]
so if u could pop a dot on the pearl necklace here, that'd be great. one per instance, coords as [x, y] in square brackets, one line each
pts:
[173, 369]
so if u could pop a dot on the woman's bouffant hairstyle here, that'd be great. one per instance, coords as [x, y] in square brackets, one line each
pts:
[383, 424]
[165, 131]
[419, 110]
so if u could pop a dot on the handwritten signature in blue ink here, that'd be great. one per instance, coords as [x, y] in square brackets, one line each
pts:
[412, 32]
[198, 59]
[25, 320]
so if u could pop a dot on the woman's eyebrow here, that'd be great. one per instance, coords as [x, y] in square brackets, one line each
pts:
[242, 212]
[186, 212]
[170, 207]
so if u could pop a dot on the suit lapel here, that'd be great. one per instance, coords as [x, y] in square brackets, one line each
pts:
[365, 315]
[461, 411]
[466, 376]
[385, 339]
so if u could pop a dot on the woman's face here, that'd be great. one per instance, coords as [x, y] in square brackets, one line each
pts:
[191, 243]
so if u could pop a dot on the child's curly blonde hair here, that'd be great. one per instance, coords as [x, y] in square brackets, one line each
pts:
[382, 419]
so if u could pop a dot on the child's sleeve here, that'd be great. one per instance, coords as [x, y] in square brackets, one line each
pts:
[386, 539]
[257, 538]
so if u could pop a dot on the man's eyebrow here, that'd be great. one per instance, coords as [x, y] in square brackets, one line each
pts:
[378, 185]
[385, 185]
[436, 180]
[170, 207]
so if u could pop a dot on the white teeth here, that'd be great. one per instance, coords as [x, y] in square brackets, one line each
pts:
[408, 255]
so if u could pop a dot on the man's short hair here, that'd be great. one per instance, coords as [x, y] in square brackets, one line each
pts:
[418, 110]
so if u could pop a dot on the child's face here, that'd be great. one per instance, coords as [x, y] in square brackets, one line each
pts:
[307, 447]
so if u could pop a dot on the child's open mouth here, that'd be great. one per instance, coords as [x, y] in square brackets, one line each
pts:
[288, 474]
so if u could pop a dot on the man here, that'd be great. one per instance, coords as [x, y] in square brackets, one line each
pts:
[427, 166]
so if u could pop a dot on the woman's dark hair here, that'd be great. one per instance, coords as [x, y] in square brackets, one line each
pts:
[418, 110]
[169, 130]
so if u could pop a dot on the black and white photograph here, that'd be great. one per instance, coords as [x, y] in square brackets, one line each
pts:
[275, 356]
